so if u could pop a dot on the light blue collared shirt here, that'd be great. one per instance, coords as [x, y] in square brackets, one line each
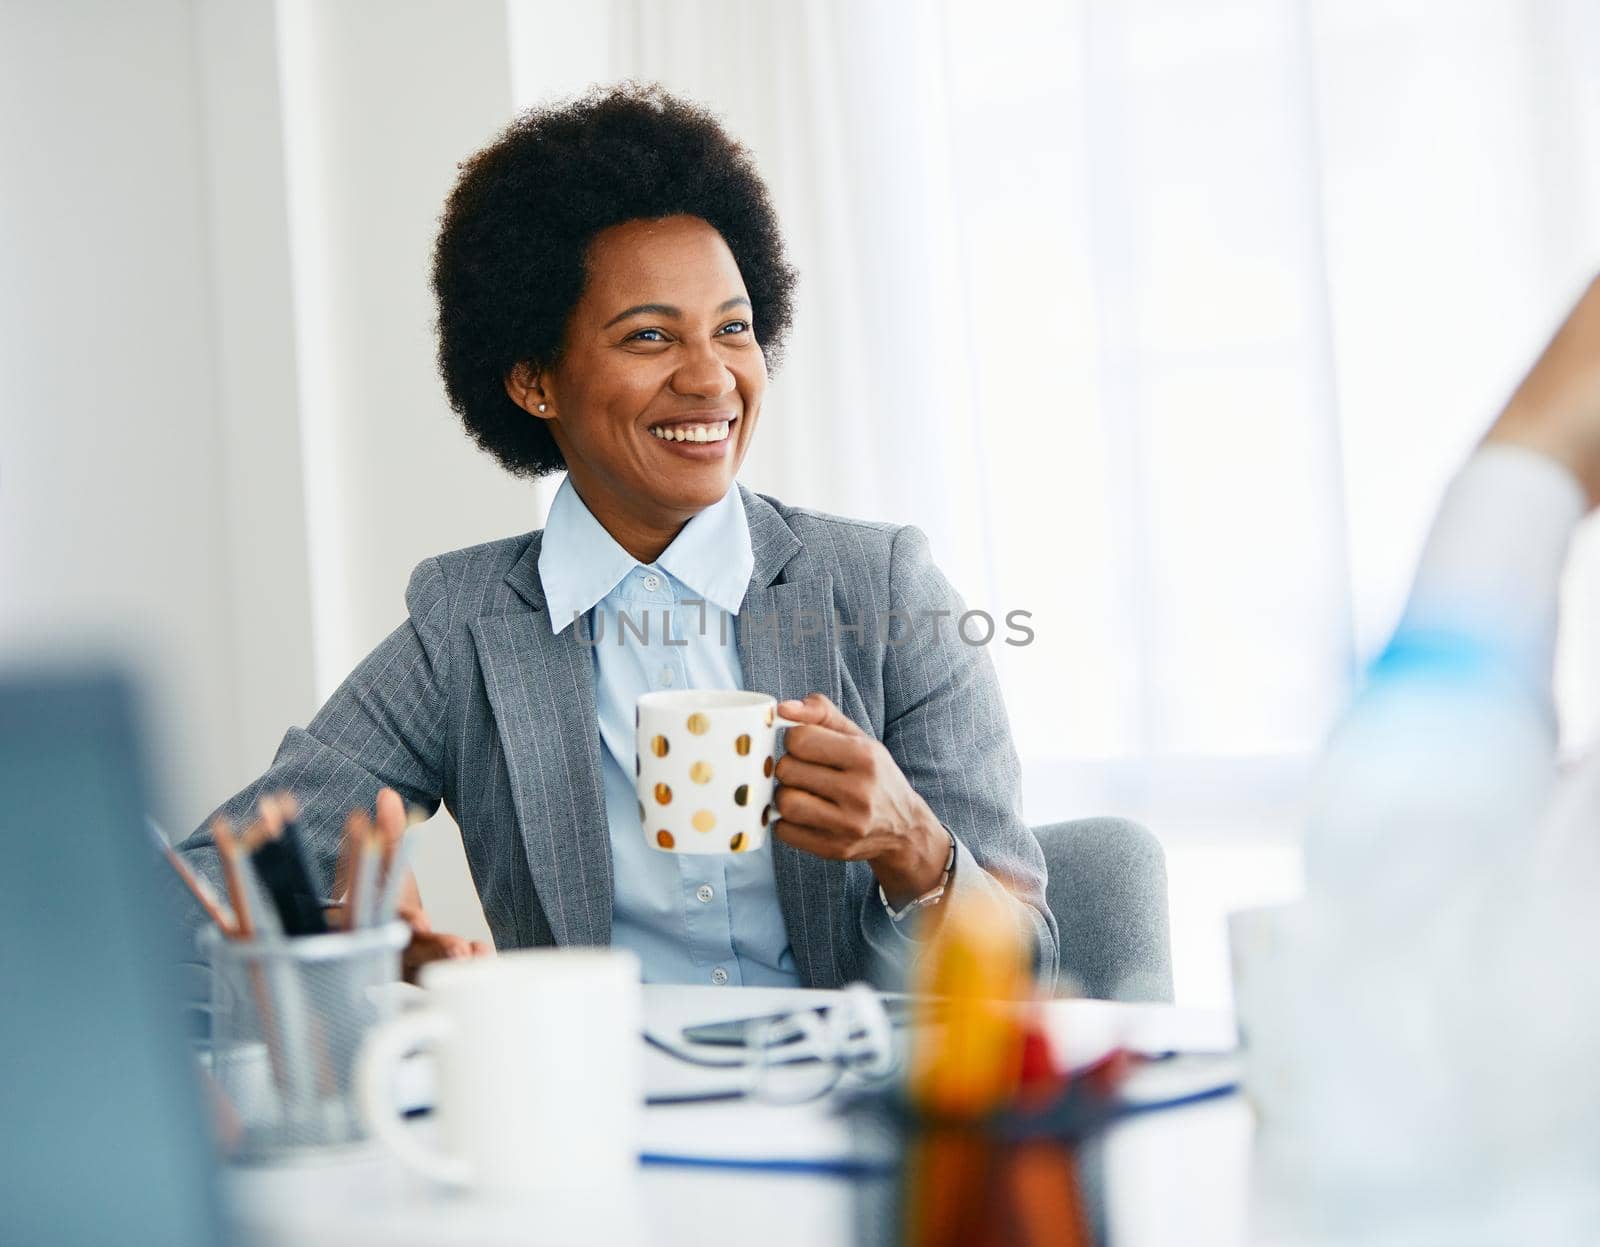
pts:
[690, 918]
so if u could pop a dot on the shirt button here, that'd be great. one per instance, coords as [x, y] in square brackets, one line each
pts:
[719, 976]
[704, 893]
[652, 582]
[666, 677]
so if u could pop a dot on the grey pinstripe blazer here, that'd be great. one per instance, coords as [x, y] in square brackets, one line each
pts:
[475, 701]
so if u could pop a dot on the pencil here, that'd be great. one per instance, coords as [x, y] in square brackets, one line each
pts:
[233, 868]
[202, 891]
[233, 874]
[344, 872]
[268, 825]
[391, 823]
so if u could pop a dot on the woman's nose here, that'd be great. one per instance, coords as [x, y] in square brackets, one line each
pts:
[703, 375]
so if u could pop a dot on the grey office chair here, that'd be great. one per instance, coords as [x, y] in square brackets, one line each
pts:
[1108, 891]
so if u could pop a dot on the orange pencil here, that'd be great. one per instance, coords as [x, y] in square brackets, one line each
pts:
[201, 890]
[232, 871]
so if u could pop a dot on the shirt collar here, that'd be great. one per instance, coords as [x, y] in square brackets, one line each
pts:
[580, 562]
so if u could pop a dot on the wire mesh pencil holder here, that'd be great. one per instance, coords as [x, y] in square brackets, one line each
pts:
[287, 1019]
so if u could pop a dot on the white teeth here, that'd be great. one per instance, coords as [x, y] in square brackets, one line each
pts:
[692, 432]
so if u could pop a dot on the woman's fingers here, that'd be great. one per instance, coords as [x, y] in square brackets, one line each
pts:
[817, 709]
[809, 809]
[438, 946]
[827, 747]
[814, 840]
[828, 782]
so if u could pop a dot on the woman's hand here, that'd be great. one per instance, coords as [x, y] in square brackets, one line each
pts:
[426, 944]
[843, 796]
[429, 945]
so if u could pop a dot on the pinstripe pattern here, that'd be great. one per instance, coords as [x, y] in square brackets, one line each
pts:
[476, 702]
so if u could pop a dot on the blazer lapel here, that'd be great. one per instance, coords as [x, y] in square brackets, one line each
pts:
[786, 648]
[541, 689]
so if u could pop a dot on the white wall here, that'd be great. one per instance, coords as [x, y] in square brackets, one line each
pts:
[381, 102]
[116, 523]
[223, 445]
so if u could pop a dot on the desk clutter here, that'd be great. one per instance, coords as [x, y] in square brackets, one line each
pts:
[968, 1121]
[970, 1127]
[299, 987]
[297, 980]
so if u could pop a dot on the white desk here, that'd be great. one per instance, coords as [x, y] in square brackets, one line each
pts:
[1176, 1177]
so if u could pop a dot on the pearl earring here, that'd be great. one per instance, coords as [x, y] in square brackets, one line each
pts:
[541, 406]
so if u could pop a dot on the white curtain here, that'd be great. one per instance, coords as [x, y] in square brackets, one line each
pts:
[1166, 321]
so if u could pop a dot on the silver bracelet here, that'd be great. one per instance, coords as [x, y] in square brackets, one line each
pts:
[932, 896]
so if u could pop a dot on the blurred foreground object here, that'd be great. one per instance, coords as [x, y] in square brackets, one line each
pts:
[1421, 1029]
[967, 1183]
[104, 1139]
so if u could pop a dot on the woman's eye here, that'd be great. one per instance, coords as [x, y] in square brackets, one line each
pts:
[641, 338]
[738, 326]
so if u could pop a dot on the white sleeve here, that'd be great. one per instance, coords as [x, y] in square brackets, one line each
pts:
[1491, 569]
[1439, 768]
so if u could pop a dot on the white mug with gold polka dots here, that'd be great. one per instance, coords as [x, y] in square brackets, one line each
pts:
[703, 763]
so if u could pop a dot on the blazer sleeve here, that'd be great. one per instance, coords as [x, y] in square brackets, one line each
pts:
[383, 727]
[945, 725]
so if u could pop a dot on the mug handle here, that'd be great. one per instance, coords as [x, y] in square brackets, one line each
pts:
[779, 721]
[385, 1046]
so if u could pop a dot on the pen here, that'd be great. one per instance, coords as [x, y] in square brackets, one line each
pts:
[399, 866]
[281, 867]
[357, 828]
[370, 855]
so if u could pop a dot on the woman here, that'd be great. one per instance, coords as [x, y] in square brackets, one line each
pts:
[611, 290]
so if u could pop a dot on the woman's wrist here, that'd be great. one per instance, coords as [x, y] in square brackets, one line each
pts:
[918, 866]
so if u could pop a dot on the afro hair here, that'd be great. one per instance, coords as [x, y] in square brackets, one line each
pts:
[509, 263]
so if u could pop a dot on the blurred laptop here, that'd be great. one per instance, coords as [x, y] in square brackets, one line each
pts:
[102, 1133]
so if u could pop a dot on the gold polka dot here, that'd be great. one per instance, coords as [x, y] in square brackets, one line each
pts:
[664, 839]
[742, 745]
[704, 820]
[766, 816]
[663, 794]
[700, 772]
[737, 843]
[766, 766]
[698, 724]
[769, 716]
[741, 795]
[659, 746]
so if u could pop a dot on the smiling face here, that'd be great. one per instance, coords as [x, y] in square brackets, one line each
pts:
[660, 380]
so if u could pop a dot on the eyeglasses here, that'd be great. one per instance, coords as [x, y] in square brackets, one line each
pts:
[802, 1055]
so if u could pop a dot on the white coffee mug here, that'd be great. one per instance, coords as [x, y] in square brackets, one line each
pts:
[537, 1068]
[704, 764]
